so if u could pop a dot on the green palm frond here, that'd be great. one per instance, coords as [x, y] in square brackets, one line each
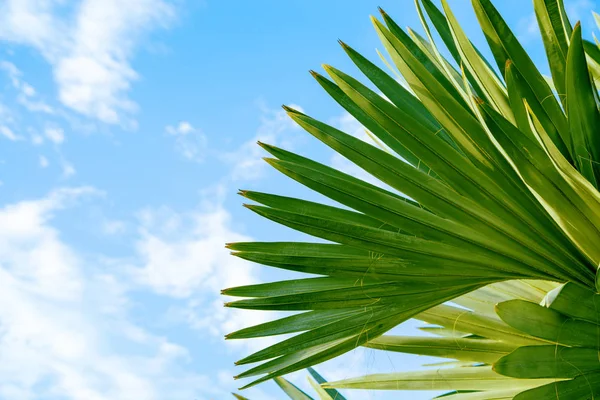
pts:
[531, 350]
[493, 203]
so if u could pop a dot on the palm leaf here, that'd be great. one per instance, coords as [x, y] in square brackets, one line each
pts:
[293, 392]
[466, 378]
[490, 209]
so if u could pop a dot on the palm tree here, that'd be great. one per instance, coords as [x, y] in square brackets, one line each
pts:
[492, 203]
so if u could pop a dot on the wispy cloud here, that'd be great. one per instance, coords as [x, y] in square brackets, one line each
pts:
[579, 10]
[113, 227]
[43, 161]
[195, 242]
[55, 135]
[37, 139]
[27, 95]
[527, 29]
[190, 142]
[90, 48]
[68, 170]
[183, 256]
[276, 128]
[8, 133]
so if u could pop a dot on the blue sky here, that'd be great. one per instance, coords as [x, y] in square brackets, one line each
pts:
[126, 128]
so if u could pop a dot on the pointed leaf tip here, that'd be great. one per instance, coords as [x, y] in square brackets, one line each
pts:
[289, 110]
[265, 146]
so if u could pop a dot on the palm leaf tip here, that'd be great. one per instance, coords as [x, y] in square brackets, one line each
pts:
[328, 68]
[290, 110]
[271, 161]
[382, 12]
[343, 44]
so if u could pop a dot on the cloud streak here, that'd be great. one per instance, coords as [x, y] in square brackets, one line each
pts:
[190, 142]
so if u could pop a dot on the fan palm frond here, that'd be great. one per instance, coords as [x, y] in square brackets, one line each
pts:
[492, 201]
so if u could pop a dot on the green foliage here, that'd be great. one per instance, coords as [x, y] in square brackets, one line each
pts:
[493, 205]
[294, 393]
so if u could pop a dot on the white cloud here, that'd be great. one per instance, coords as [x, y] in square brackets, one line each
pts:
[347, 123]
[37, 139]
[195, 243]
[183, 256]
[28, 90]
[8, 133]
[14, 74]
[90, 49]
[275, 129]
[579, 10]
[55, 135]
[68, 170]
[527, 28]
[6, 114]
[65, 324]
[113, 227]
[27, 93]
[182, 129]
[189, 141]
[34, 105]
[43, 162]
